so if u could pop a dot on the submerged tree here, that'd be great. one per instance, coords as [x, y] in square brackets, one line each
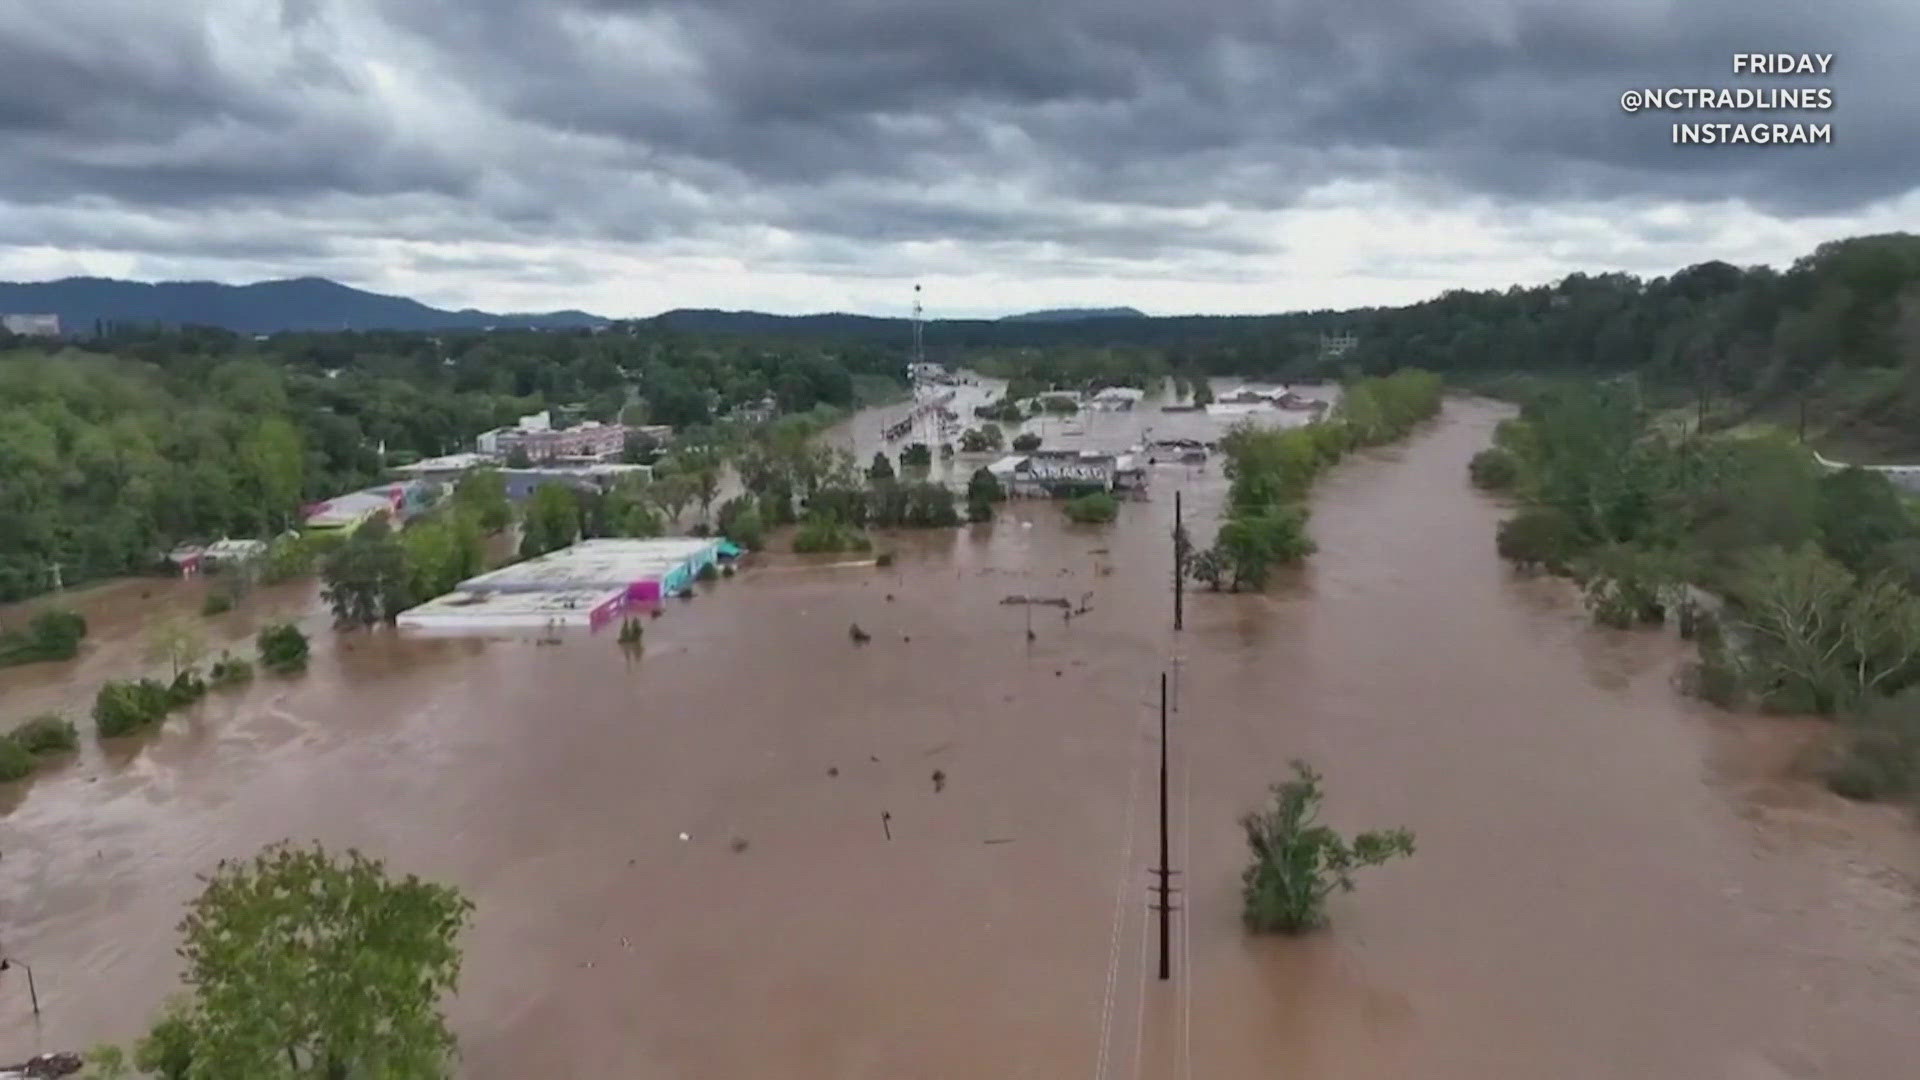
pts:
[1298, 862]
[303, 964]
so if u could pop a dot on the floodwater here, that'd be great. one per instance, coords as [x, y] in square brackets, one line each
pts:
[1609, 882]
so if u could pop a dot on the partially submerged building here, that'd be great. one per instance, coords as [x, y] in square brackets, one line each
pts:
[1053, 473]
[588, 585]
[343, 515]
[1117, 399]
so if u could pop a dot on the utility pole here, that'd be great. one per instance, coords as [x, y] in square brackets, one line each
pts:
[1165, 906]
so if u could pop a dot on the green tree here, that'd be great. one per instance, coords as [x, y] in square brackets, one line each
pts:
[916, 456]
[283, 648]
[982, 440]
[483, 493]
[1210, 568]
[881, 469]
[1094, 508]
[1202, 392]
[366, 579]
[551, 520]
[1299, 862]
[303, 964]
[1026, 443]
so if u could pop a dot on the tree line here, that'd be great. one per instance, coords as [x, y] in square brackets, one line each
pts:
[1801, 583]
[114, 452]
[1273, 469]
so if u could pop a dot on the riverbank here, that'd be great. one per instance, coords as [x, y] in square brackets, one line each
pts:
[1611, 882]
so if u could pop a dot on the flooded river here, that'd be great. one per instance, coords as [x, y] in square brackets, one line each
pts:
[1610, 882]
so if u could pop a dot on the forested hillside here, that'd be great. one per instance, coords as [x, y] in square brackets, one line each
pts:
[114, 453]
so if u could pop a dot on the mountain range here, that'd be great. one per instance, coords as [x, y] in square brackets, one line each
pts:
[317, 304]
[260, 308]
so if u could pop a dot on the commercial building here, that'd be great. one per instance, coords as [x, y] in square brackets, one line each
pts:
[586, 585]
[598, 477]
[343, 515]
[1052, 473]
[536, 436]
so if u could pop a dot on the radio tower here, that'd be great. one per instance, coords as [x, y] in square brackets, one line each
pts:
[919, 356]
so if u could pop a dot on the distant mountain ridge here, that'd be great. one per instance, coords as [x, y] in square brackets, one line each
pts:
[1076, 314]
[263, 307]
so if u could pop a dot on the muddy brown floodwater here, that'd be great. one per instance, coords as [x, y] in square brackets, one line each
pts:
[1609, 882]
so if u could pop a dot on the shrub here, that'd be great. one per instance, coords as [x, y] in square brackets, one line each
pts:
[229, 671]
[1096, 508]
[186, 688]
[46, 735]
[918, 456]
[1298, 862]
[1537, 537]
[1493, 469]
[981, 440]
[15, 760]
[883, 559]
[122, 708]
[50, 635]
[825, 533]
[709, 572]
[218, 602]
[1878, 756]
[283, 648]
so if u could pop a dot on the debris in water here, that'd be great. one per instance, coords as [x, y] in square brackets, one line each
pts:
[65, 1063]
[886, 822]
[738, 845]
[906, 637]
[859, 636]
[999, 840]
[889, 598]
[1031, 636]
[833, 770]
[873, 758]
[684, 837]
[939, 781]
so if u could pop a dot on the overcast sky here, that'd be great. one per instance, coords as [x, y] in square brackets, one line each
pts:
[627, 157]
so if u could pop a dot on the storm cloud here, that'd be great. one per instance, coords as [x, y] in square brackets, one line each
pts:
[1200, 155]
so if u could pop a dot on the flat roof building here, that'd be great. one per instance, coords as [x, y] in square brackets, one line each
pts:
[594, 581]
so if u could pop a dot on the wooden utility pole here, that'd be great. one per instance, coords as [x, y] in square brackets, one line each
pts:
[1165, 906]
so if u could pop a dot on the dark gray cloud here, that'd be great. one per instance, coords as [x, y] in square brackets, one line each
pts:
[1069, 135]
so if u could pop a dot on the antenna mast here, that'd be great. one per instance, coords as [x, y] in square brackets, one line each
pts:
[919, 354]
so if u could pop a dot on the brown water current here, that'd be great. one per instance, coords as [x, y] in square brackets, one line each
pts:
[1610, 882]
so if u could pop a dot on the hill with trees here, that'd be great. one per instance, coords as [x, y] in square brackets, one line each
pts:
[264, 307]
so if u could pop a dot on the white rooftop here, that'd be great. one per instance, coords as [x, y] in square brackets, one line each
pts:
[445, 463]
[592, 564]
[505, 610]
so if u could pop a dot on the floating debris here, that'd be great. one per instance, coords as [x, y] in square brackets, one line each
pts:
[1042, 601]
[859, 636]
[684, 838]
[833, 770]
[939, 781]
[999, 840]
[738, 845]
